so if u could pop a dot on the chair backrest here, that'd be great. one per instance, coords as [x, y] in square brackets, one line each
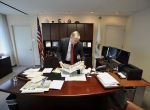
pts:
[132, 106]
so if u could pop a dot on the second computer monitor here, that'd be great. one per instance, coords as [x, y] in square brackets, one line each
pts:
[123, 56]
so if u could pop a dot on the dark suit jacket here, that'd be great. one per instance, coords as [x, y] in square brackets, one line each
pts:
[63, 48]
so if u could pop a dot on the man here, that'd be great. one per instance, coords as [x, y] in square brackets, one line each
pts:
[69, 49]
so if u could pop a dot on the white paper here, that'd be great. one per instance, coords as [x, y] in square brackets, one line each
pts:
[31, 87]
[57, 70]
[56, 84]
[77, 77]
[33, 74]
[37, 79]
[71, 68]
[47, 70]
[32, 70]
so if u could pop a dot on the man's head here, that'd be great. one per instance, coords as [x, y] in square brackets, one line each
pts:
[75, 37]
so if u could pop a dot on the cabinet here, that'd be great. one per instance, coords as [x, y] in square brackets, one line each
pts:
[5, 66]
[53, 32]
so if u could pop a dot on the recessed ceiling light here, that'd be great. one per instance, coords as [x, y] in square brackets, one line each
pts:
[116, 13]
[91, 12]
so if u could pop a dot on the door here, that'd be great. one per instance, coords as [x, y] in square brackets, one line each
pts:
[114, 36]
[24, 48]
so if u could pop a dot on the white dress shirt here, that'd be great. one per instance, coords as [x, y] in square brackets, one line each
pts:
[68, 52]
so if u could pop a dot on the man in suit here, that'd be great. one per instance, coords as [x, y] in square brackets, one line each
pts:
[64, 49]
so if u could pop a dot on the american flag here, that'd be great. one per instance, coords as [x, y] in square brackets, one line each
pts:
[40, 43]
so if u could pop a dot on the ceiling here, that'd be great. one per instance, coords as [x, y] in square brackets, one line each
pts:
[74, 7]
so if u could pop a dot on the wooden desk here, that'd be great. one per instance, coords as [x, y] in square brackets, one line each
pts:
[73, 95]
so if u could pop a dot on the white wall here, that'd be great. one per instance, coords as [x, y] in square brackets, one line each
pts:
[111, 20]
[138, 41]
[31, 20]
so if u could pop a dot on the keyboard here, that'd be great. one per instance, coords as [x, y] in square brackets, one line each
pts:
[107, 80]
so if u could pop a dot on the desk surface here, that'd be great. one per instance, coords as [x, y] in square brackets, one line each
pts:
[75, 88]
[130, 83]
[70, 88]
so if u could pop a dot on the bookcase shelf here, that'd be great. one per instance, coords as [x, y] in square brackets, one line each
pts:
[53, 32]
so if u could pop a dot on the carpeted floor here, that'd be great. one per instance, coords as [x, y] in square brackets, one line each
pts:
[3, 96]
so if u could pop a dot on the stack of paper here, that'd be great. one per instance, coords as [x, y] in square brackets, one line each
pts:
[74, 76]
[57, 70]
[32, 70]
[71, 68]
[56, 84]
[31, 87]
[107, 80]
[47, 70]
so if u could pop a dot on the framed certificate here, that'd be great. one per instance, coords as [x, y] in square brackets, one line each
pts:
[89, 44]
[47, 44]
[84, 44]
[55, 43]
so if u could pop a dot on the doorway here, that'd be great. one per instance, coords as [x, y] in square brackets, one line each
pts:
[23, 43]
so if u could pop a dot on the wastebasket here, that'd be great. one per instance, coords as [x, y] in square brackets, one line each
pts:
[11, 102]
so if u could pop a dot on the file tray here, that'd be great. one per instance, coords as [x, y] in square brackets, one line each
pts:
[107, 81]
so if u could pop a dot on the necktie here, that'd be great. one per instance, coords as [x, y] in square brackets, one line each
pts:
[72, 55]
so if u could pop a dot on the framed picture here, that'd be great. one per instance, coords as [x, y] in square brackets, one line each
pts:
[89, 44]
[84, 44]
[55, 43]
[47, 43]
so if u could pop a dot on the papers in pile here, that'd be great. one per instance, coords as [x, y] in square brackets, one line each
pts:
[41, 86]
[47, 70]
[38, 82]
[107, 80]
[57, 70]
[72, 68]
[31, 87]
[70, 72]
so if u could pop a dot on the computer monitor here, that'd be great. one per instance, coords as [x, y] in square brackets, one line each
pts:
[122, 56]
[112, 52]
[105, 51]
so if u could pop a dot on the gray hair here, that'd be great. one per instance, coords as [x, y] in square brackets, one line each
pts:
[75, 34]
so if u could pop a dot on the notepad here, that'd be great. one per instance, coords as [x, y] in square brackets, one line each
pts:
[56, 84]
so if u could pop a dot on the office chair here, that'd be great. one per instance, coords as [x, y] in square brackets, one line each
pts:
[131, 106]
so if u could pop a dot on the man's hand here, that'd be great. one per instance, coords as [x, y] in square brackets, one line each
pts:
[83, 65]
[61, 64]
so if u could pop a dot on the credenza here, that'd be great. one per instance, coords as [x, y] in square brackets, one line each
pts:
[5, 66]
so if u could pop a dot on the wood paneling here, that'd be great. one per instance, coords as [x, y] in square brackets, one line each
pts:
[81, 30]
[54, 31]
[46, 31]
[88, 32]
[63, 30]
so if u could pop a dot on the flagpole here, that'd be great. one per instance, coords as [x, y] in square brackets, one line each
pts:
[98, 37]
[40, 44]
